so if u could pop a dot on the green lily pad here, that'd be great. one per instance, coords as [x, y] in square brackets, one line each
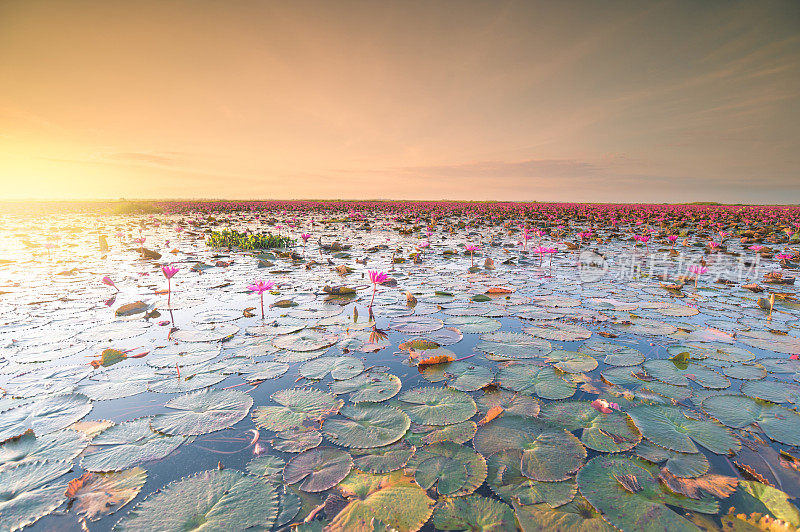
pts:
[512, 403]
[203, 412]
[296, 440]
[609, 433]
[372, 386]
[549, 454]
[779, 343]
[437, 406]
[615, 354]
[745, 372]
[577, 516]
[268, 466]
[319, 469]
[775, 391]
[670, 427]
[682, 375]
[383, 459]
[504, 345]
[738, 411]
[95, 495]
[456, 470]
[474, 512]
[542, 381]
[557, 331]
[571, 361]
[416, 324]
[474, 324]
[44, 415]
[128, 444]
[751, 496]
[367, 425]
[462, 376]
[57, 446]
[393, 499]
[631, 499]
[505, 478]
[214, 500]
[684, 465]
[340, 368]
[430, 434]
[305, 340]
[298, 405]
[28, 494]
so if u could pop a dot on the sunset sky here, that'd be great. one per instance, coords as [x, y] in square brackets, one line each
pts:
[512, 100]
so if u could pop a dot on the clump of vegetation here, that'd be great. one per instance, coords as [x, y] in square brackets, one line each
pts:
[234, 239]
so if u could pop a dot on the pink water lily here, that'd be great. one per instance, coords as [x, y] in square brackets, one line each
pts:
[169, 272]
[603, 406]
[376, 277]
[756, 247]
[107, 281]
[260, 287]
[472, 249]
[697, 271]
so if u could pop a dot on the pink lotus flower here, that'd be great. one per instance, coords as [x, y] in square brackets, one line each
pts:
[169, 272]
[697, 271]
[107, 281]
[672, 238]
[377, 278]
[603, 406]
[713, 245]
[472, 249]
[305, 237]
[261, 287]
[756, 247]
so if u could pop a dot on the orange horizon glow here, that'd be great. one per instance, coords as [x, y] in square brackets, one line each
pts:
[675, 101]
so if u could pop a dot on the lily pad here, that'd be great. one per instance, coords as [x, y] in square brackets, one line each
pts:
[506, 345]
[670, 427]
[631, 499]
[128, 444]
[462, 376]
[456, 470]
[367, 425]
[393, 499]
[215, 500]
[609, 433]
[437, 406]
[297, 406]
[95, 495]
[319, 469]
[505, 478]
[738, 411]
[474, 512]
[28, 492]
[340, 368]
[374, 386]
[203, 412]
[542, 381]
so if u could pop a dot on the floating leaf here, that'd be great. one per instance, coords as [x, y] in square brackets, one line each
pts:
[577, 516]
[298, 405]
[373, 386]
[383, 459]
[57, 446]
[670, 427]
[305, 340]
[128, 444]
[738, 411]
[340, 368]
[505, 478]
[214, 500]
[686, 465]
[319, 469]
[462, 376]
[393, 499]
[27, 493]
[611, 433]
[203, 412]
[43, 416]
[639, 510]
[437, 406]
[456, 470]
[540, 380]
[97, 494]
[367, 425]
[667, 371]
[474, 512]
[510, 345]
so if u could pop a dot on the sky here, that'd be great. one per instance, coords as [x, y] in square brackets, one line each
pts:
[584, 100]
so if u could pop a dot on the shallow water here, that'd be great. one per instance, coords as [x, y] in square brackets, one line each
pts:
[57, 316]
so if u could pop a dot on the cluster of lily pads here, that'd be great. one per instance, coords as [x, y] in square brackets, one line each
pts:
[248, 241]
[470, 388]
